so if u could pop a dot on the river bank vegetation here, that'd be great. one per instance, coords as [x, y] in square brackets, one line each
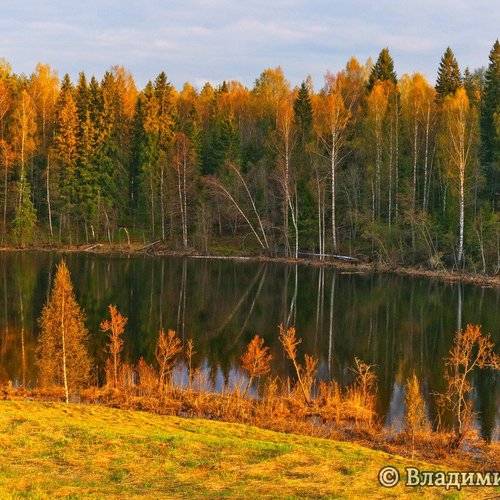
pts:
[366, 164]
[301, 403]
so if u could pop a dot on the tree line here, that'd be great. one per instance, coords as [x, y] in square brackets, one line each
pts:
[371, 165]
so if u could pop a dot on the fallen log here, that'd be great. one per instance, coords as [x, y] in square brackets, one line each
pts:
[91, 247]
[150, 245]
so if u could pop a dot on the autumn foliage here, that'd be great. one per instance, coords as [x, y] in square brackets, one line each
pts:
[363, 163]
[415, 418]
[62, 354]
[256, 360]
[115, 328]
[167, 347]
[471, 350]
[305, 374]
[300, 403]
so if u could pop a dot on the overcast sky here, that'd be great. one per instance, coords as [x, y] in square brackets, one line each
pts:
[213, 40]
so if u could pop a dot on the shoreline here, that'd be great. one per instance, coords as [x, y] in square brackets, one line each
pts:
[233, 408]
[151, 250]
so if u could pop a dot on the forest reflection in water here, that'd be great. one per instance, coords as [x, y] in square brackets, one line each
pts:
[400, 324]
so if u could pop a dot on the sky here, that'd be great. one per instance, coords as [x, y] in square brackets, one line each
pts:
[216, 40]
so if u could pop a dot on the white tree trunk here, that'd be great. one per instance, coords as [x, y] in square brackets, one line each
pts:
[462, 215]
[162, 203]
[333, 162]
[48, 197]
[426, 158]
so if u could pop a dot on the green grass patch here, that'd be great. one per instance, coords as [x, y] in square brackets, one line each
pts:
[51, 450]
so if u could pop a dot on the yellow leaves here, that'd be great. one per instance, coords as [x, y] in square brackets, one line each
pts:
[25, 126]
[271, 88]
[63, 338]
[459, 133]
[5, 99]
[125, 87]
[332, 109]
[456, 103]
[167, 347]
[378, 99]
[116, 327]
[289, 340]
[66, 137]
[43, 88]
[256, 361]
[284, 116]
[416, 94]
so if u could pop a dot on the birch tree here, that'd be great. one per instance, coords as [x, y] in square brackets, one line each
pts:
[285, 143]
[184, 166]
[459, 141]
[334, 115]
[24, 130]
[377, 104]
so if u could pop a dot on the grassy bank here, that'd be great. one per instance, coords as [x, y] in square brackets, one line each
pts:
[230, 253]
[52, 449]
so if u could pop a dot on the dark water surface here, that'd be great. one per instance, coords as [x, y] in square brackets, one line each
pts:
[400, 324]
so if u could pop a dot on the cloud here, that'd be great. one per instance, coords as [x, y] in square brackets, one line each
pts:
[199, 40]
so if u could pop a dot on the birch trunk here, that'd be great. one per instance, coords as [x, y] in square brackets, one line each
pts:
[48, 198]
[333, 162]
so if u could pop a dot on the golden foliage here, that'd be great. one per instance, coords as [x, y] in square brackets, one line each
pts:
[62, 345]
[305, 377]
[256, 360]
[167, 347]
[471, 349]
[115, 327]
[415, 418]
[190, 352]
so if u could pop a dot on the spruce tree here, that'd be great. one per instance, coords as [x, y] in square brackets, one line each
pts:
[490, 139]
[82, 97]
[383, 69]
[25, 219]
[66, 154]
[448, 79]
[61, 352]
[303, 113]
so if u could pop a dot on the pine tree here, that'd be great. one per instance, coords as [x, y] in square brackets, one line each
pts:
[448, 78]
[25, 220]
[112, 181]
[490, 138]
[303, 113]
[383, 69]
[65, 145]
[62, 354]
[146, 153]
[473, 84]
[165, 106]
[82, 98]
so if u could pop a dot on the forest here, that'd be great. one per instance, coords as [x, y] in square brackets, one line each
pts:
[373, 165]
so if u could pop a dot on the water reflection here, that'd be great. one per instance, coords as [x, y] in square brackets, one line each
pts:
[399, 324]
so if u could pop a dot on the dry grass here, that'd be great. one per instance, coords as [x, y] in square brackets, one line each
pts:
[50, 450]
[334, 414]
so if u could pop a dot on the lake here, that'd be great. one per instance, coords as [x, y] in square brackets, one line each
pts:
[399, 324]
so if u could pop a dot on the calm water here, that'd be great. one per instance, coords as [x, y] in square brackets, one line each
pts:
[399, 324]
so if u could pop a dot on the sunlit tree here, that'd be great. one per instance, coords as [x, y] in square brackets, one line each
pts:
[62, 350]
